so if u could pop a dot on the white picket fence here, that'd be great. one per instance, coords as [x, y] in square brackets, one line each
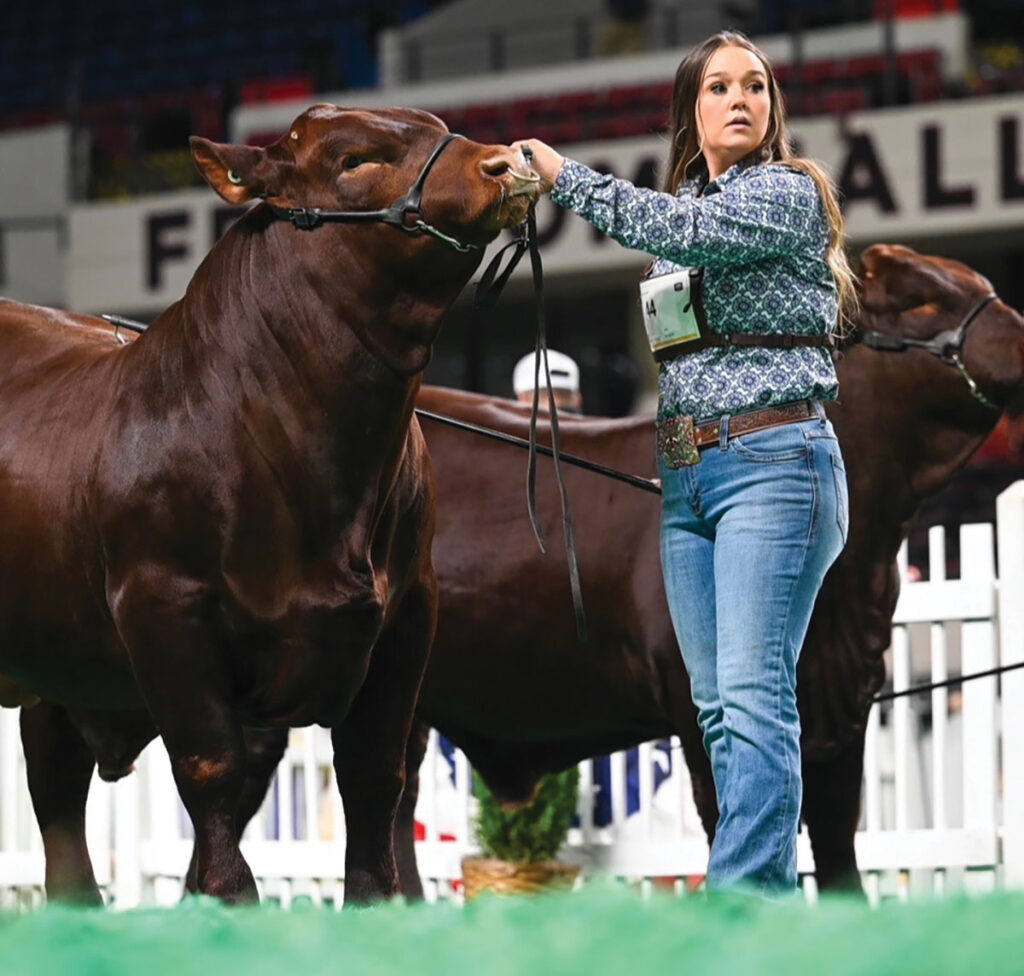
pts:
[943, 803]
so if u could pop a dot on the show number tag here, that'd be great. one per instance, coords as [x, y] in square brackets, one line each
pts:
[669, 314]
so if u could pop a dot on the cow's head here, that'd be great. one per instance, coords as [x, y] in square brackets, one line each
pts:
[895, 279]
[354, 160]
[918, 296]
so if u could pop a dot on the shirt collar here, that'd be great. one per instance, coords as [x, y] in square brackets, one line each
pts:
[734, 171]
[695, 185]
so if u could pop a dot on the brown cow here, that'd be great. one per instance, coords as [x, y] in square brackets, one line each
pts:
[227, 523]
[507, 679]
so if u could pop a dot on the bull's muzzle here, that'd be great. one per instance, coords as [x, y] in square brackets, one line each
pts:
[511, 169]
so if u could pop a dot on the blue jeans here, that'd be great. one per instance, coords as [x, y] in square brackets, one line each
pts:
[746, 538]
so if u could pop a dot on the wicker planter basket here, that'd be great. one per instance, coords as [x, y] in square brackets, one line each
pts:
[481, 874]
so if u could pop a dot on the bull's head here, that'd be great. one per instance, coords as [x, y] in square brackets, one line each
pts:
[895, 279]
[919, 297]
[352, 160]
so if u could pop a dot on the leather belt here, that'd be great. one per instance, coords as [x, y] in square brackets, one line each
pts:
[710, 432]
[743, 340]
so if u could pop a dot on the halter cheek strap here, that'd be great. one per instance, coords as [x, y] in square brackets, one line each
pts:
[947, 345]
[407, 206]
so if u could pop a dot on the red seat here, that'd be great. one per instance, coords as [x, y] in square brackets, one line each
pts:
[576, 103]
[865, 66]
[276, 89]
[843, 100]
[923, 70]
[654, 120]
[816, 72]
[531, 111]
[617, 127]
[802, 103]
[628, 96]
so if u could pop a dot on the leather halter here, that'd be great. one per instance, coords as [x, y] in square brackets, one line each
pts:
[947, 345]
[397, 215]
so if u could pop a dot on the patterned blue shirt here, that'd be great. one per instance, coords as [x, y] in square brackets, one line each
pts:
[761, 235]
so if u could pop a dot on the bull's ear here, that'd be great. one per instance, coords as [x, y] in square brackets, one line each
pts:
[237, 173]
[896, 278]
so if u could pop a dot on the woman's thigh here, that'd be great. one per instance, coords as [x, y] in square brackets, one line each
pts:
[687, 560]
[775, 503]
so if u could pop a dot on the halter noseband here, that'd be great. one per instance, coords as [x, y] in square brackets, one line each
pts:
[397, 215]
[947, 345]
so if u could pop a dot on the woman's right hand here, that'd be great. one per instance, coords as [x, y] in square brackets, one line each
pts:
[542, 159]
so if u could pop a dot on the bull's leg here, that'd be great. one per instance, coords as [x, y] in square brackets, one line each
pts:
[370, 747]
[181, 674]
[59, 766]
[263, 751]
[703, 785]
[831, 810]
[207, 752]
[405, 821]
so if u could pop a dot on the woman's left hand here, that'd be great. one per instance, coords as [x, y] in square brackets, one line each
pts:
[545, 162]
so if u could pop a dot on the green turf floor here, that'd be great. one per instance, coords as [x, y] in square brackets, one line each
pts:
[596, 931]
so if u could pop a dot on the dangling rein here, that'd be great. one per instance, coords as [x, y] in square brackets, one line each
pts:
[488, 290]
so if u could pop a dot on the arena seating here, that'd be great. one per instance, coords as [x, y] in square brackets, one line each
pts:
[832, 86]
[151, 73]
[133, 135]
[54, 57]
[142, 75]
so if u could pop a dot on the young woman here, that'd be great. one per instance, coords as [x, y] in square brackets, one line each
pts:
[741, 304]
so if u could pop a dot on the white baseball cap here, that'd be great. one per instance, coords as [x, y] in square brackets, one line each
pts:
[565, 374]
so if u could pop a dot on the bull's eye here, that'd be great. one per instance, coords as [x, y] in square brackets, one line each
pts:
[352, 162]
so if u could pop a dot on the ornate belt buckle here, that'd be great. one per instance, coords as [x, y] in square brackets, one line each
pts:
[677, 442]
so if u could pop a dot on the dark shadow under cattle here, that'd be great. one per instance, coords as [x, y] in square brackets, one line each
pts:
[227, 523]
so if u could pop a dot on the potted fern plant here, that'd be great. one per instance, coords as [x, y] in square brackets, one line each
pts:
[519, 845]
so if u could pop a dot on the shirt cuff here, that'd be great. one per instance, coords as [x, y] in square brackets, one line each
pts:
[570, 176]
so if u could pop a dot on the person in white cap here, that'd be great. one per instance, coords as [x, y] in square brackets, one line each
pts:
[565, 381]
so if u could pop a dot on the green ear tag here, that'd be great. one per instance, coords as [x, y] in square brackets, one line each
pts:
[677, 442]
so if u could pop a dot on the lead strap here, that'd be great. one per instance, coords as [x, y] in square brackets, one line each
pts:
[531, 471]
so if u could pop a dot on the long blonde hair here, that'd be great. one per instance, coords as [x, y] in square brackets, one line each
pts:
[686, 158]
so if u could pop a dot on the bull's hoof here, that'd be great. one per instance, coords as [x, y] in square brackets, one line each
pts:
[112, 773]
[233, 887]
[363, 888]
[246, 897]
[87, 896]
[844, 884]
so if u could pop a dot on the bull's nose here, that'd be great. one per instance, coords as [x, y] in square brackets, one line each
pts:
[497, 165]
[509, 167]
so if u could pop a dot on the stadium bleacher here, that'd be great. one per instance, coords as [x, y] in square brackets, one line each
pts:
[140, 75]
[833, 86]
